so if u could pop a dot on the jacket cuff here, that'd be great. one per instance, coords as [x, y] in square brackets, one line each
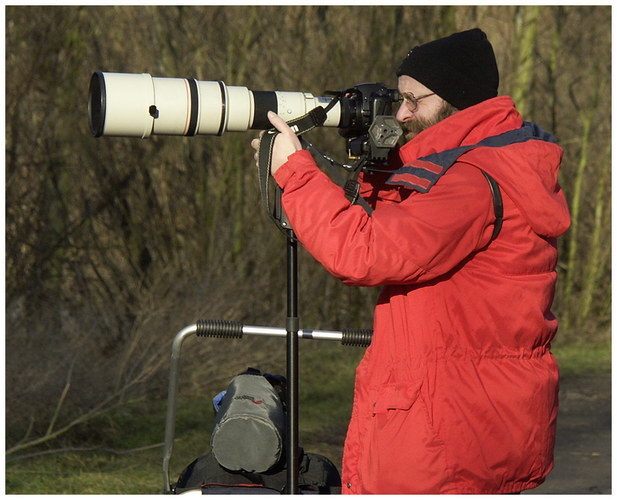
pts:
[294, 161]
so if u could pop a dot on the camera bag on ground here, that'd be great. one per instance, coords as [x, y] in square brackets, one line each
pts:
[247, 445]
[316, 475]
[249, 427]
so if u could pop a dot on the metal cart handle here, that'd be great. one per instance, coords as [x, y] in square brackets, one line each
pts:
[231, 329]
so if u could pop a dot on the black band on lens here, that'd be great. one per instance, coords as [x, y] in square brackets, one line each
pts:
[223, 108]
[264, 101]
[97, 104]
[192, 130]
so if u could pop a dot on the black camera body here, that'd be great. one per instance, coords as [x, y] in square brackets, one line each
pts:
[367, 121]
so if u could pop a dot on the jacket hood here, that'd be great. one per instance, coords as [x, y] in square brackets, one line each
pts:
[520, 156]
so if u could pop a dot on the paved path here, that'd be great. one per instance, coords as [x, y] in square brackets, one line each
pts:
[583, 448]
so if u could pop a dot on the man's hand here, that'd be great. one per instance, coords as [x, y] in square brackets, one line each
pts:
[285, 144]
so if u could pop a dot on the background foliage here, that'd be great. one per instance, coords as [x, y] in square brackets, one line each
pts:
[113, 245]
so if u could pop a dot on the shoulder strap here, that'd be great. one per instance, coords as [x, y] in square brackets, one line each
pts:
[497, 204]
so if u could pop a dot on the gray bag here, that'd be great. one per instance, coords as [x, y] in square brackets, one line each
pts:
[249, 427]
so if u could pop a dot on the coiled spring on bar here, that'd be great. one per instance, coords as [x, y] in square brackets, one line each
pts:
[358, 338]
[219, 328]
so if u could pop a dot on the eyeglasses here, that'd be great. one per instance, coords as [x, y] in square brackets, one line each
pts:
[411, 101]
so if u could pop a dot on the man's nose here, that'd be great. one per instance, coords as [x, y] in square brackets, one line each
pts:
[403, 114]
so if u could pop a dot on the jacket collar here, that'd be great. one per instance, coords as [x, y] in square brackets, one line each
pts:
[467, 127]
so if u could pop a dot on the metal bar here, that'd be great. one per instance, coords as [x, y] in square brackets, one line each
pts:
[172, 399]
[270, 331]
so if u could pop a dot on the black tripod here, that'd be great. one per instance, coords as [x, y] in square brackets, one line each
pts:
[292, 326]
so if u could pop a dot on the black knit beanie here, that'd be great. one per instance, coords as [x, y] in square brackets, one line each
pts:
[460, 68]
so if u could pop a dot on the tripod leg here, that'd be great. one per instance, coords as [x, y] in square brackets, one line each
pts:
[292, 364]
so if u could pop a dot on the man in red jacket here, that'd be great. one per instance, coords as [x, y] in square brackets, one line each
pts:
[458, 391]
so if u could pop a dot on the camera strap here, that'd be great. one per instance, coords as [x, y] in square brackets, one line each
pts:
[314, 118]
[351, 186]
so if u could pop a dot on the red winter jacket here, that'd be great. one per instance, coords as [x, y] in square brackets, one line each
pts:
[458, 391]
